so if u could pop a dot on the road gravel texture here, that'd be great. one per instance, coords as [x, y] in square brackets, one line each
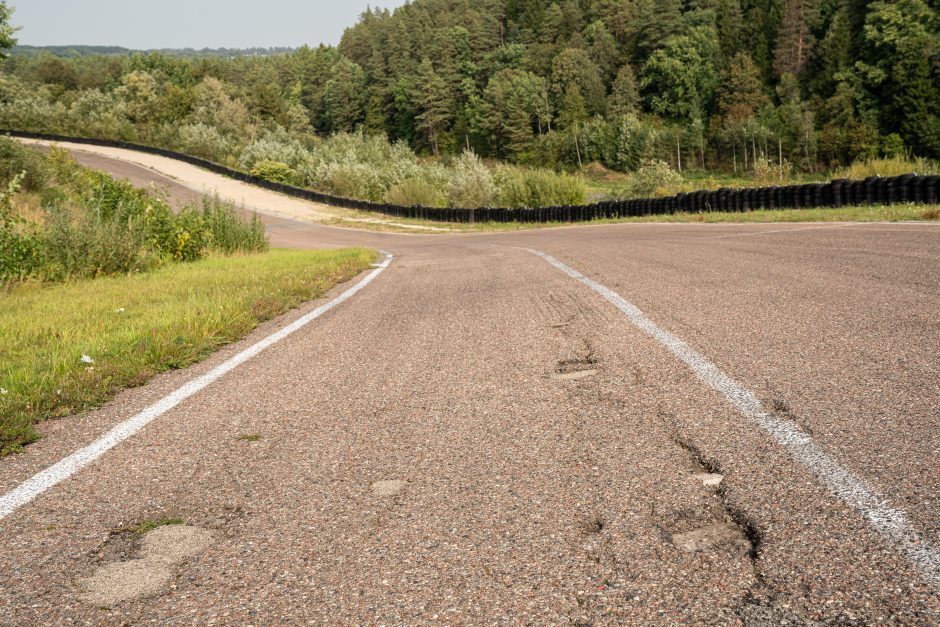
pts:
[477, 438]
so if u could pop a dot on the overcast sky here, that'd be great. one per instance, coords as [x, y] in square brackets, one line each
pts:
[187, 23]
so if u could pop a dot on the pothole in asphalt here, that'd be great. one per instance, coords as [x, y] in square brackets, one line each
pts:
[159, 552]
[388, 488]
[711, 537]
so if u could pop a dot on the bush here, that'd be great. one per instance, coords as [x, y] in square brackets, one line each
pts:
[202, 140]
[97, 226]
[19, 251]
[415, 191]
[519, 188]
[654, 178]
[229, 233]
[16, 160]
[275, 171]
[277, 147]
[471, 184]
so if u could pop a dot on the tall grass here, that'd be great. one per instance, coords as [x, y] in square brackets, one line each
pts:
[893, 166]
[93, 225]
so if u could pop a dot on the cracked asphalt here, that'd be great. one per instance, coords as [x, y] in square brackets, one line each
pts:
[424, 454]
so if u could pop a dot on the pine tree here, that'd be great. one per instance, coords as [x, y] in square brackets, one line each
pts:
[602, 48]
[795, 39]
[624, 96]
[659, 20]
[434, 105]
[741, 95]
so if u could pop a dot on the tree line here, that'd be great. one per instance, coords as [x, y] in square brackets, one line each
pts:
[710, 84]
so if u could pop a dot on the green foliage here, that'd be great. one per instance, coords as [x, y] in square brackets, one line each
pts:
[724, 82]
[415, 191]
[521, 189]
[680, 79]
[95, 226]
[7, 30]
[274, 171]
[653, 178]
[620, 144]
[471, 183]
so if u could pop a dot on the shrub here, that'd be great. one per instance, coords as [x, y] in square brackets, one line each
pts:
[98, 114]
[519, 188]
[471, 183]
[19, 251]
[97, 226]
[766, 172]
[415, 191]
[278, 147]
[16, 160]
[202, 140]
[229, 233]
[654, 178]
[275, 171]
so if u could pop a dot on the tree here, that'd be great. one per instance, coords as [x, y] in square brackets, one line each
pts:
[903, 70]
[345, 96]
[7, 30]
[602, 48]
[573, 67]
[515, 106]
[434, 104]
[624, 97]
[572, 114]
[740, 98]
[741, 95]
[795, 38]
[680, 80]
[659, 21]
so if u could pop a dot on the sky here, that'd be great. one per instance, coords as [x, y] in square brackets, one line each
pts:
[144, 24]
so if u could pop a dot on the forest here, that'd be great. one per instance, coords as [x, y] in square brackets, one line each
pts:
[520, 102]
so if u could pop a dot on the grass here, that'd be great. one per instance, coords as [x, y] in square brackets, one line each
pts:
[69, 347]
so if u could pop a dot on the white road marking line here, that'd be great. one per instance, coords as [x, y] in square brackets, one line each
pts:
[65, 468]
[890, 522]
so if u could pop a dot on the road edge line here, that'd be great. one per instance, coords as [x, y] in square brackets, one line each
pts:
[68, 466]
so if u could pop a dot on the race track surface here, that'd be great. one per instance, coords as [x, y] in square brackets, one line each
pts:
[486, 434]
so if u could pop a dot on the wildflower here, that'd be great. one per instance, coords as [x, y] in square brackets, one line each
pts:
[3, 391]
[87, 360]
[119, 310]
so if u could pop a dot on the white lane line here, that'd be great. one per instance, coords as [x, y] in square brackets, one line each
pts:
[65, 468]
[890, 522]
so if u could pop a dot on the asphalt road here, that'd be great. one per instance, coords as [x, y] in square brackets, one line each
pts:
[480, 436]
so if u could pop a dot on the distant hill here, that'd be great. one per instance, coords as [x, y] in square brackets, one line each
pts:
[79, 51]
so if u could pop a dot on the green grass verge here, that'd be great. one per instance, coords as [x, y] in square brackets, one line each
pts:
[133, 327]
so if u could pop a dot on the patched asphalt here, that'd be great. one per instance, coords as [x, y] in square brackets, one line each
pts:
[478, 438]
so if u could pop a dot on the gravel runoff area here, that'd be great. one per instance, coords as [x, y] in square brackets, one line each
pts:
[477, 436]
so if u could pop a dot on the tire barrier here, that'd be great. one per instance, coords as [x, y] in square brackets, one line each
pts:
[909, 188]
